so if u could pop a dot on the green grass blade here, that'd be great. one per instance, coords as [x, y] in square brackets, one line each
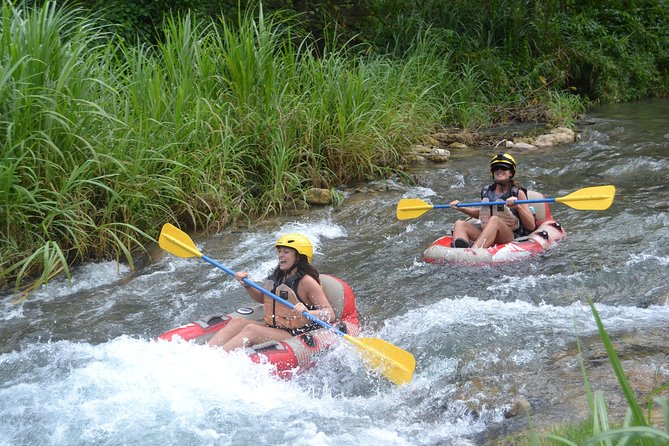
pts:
[637, 413]
[630, 436]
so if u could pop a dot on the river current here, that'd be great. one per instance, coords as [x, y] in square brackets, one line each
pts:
[79, 366]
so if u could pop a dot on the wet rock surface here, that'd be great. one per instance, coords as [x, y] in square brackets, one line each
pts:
[437, 146]
[560, 397]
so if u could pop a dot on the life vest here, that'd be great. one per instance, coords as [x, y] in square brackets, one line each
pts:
[509, 216]
[276, 313]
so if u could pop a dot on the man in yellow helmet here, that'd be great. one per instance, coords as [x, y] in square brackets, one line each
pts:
[500, 223]
[295, 280]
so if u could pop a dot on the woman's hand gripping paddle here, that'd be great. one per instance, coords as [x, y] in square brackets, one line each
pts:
[595, 198]
[395, 364]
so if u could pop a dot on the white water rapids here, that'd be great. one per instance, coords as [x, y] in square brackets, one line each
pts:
[79, 366]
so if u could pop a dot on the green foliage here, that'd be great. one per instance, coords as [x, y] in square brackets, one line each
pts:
[103, 141]
[562, 107]
[107, 135]
[608, 51]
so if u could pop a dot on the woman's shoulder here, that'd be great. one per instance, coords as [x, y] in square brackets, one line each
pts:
[309, 280]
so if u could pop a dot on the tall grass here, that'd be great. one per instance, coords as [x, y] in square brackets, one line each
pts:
[104, 141]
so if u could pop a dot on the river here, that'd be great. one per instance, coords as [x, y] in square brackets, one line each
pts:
[79, 366]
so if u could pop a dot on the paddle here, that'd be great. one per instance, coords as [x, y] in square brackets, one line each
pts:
[595, 198]
[392, 362]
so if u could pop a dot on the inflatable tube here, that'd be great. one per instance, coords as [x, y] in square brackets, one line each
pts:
[291, 355]
[543, 238]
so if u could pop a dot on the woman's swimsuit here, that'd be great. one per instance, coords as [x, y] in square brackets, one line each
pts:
[292, 282]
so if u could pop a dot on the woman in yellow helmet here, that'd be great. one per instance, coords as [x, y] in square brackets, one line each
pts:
[295, 280]
[499, 224]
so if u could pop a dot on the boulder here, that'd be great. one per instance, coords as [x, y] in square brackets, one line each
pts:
[438, 155]
[523, 146]
[422, 149]
[316, 196]
[465, 138]
[458, 145]
[557, 136]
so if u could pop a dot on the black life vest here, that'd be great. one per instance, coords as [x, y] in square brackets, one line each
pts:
[510, 216]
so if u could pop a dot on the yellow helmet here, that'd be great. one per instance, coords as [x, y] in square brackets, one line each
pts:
[298, 242]
[503, 159]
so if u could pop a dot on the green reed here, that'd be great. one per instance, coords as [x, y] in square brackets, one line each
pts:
[636, 429]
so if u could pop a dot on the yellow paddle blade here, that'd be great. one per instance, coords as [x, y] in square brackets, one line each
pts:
[411, 208]
[392, 362]
[595, 198]
[177, 242]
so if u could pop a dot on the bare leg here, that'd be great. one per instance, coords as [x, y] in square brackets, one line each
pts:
[494, 231]
[465, 230]
[231, 329]
[253, 334]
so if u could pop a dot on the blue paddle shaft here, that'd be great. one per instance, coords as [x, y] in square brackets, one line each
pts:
[493, 203]
[273, 296]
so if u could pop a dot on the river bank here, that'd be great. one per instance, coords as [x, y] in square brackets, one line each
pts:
[93, 168]
[507, 137]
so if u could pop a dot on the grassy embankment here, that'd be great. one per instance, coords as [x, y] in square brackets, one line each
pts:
[104, 141]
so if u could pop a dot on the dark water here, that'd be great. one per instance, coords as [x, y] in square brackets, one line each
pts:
[78, 364]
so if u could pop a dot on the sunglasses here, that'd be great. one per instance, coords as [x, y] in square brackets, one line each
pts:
[500, 168]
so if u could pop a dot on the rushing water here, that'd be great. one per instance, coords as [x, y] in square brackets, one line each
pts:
[78, 364]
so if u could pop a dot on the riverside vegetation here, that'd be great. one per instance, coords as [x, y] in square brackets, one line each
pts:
[641, 426]
[105, 138]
